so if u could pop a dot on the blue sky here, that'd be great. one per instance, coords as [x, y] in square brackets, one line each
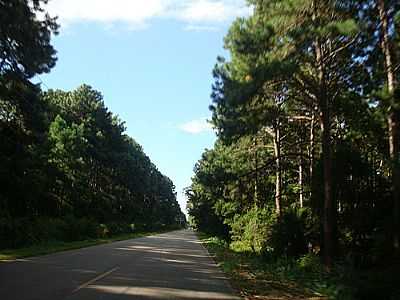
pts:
[152, 61]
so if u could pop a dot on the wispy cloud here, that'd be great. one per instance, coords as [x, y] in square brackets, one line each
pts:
[211, 11]
[137, 13]
[196, 126]
[200, 28]
[106, 11]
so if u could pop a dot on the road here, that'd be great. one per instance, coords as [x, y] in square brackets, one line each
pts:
[167, 266]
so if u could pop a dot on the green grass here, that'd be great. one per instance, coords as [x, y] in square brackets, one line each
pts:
[57, 246]
[276, 278]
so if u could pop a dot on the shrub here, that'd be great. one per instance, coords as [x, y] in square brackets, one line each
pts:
[23, 232]
[116, 228]
[310, 263]
[79, 229]
[102, 231]
[47, 229]
[14, 232]
[252, 230]
[289, 233]
[132, 227]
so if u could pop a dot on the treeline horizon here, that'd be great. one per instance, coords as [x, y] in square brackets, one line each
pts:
[307, 112]
[68, 169]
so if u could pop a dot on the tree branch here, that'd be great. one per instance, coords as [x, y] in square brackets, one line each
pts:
[344, 47]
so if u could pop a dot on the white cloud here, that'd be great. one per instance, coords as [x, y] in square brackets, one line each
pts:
[196, 11]
[196, 126]
[200, 28]
[136, 13]
[106, 11]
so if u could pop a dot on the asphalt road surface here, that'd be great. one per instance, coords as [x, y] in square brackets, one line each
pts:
[167, 266]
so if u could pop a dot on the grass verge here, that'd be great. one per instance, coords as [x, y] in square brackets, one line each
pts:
[58, 246]
[259, 278]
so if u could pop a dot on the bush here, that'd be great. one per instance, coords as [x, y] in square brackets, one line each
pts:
[79, 229]
[14, 232]
[103, 231]
[23, 232]
[252, 230]
[47, 229]
[116, 228]
[289, 233]
[310, 263]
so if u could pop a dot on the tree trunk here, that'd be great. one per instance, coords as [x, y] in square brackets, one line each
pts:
[328, 203]
[392, 121]
[325, 123]
[311, 152]
[256, 167]
[301, 183]
[278, 171]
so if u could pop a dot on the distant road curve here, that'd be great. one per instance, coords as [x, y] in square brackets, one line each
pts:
[172, 265]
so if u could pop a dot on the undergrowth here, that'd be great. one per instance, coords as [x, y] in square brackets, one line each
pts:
[269, 277]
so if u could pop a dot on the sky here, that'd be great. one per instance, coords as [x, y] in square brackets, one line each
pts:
[152, 60]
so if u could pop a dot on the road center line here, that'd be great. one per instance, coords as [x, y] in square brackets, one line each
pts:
[95, 279]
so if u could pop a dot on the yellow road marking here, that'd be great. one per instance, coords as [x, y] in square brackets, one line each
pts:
[95, 279]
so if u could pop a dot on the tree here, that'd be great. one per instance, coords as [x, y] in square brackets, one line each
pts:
[391, 59]
[303, 50]
[25, 34]
[25, 51]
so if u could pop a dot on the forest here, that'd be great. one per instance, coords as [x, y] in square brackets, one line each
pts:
[306, 109]
[68, 169]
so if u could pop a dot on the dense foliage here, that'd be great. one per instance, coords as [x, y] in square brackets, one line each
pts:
[68, 170]
[307, 115]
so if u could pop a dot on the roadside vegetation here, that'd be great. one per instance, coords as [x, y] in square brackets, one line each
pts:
[303, 182]
[258, 276]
